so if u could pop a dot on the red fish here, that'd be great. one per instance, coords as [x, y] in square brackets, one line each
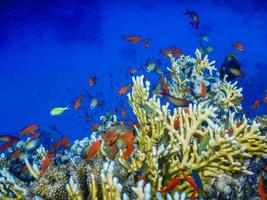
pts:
[176, 101]
[46, 162]
[147, 43]
[35, 136]
[94, 148]
[174, 182]
[92, 81]
[175, 52]
[16, 154]
[128, 151]
[193, 196]
[256, 104]
[133, 71]
[123, 112]
[23, 170]
[110, 137]
[265, 100]
[77, 103]
[128, 138]
[165, 85]
[203, 90]
[124, 89]
[176, 123]
[230, 132]
[261, 189]
[239, 123]
[195, 18]
[29, 129]
[238, 46]
[95, 127]
[191, 181]
[63, 142]
[134, 39]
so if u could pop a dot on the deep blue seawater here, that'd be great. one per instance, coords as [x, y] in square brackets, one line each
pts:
[49, 49]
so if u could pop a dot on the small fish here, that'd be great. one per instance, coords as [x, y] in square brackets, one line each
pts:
[93, 149]
[261, 191]
[203, 90]
[92, 81]
[209, 49]
[110, 137]
[134, 39]
[175, 52]
[231, 68]
[203, 144]
[195, 18]
[148, 109]
[193, 195]
[239, 123]
[230, 132]
[16, 154]
[9, 138]
[94, 103]
[197, 179]
[29, 129]
[35, 136]
[265, 100]
[77, 103]
[176, 101]
[147, 43]
[176, 123]
[123, 112]
[124, 89]
[23, 170]
[191, 181]
[204, 37]
[133, 71]
[58, 110]
[173, 183]
[256, 104]
[128, 151]
[31, 144]
[128, 138]
[46, 162]
[238, 46]
[165, 85]
[63, 142]
[95, 127]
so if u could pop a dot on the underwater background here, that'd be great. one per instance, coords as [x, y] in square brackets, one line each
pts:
[50, 48]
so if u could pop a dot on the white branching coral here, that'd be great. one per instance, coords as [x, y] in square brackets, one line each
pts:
[202, 64]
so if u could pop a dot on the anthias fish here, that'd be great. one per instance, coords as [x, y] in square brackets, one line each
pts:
[173, 183]
[29, 129]
[195, 18]
[93, 149]
[176, 101]
[58, 110]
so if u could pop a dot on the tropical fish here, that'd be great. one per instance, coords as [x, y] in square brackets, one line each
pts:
[93, 149]
[128, 151]
[164, 84]
[58, 110]
[128, 138]
[147, 43]
[203, 144]
[173, 183]
[261, 191]
[110, 137]
[134, 39]
[123, 112]
[95, 127]
[31, 144]
[203, 90]
[23, 170]
[63, 142]
[239, 123]
[230, 132]
[35, 136]
[209, 49]
[175, 52]
[124, 89]
[92, 81]
[176, 101]
[265, 100]
[204, 37]
[176, 123]
[148, 109]
[77, 103]
[195, 18]
[191, 181]
[9, 138]
[231, 68]
[94, 103]
[193, 195]
[16, 154]
[197, 179]
[133, 71]
[256, 104]
[238, 46]
[29, 129]
[46, 162]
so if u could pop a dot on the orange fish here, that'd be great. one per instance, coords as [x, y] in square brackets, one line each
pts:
[134, 39]
[95, 127]
[124, 89]
[230, 132]
[92, 80]
[63, 142]
[128, 151]
[265, 100]
[171, 185]
[261, 189]
[123, 112]
[191, 181]
[256, 104]
[16, 154]
[46, 162]
[128, 138]
[35, 136]
[147, 43]
[203, 90]
[176, 101]
[29, 129]
[193, 196]
[176, 123]
[176, 52]
[133, 71]
[94, 148]
[110, 137]
[165, 85]
[238, 46]
[239, 123]
[77, 103]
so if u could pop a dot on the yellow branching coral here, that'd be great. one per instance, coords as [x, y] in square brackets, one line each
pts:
[202, 64]
[169, 151]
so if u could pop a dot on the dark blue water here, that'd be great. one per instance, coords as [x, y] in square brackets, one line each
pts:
[49, 49]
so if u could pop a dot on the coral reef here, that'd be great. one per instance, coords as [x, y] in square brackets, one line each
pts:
[209, 136]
